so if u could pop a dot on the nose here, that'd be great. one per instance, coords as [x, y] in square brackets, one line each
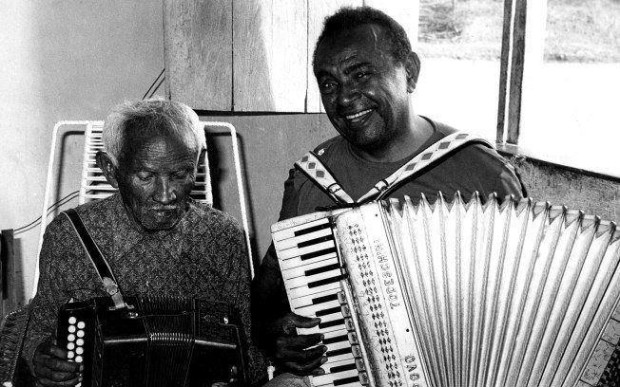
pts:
[347, 94]
[165, 193]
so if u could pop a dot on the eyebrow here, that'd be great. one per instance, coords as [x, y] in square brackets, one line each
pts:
[355, 67]
[348, 70]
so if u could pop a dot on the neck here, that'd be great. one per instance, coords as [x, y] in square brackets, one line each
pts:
[418, 132]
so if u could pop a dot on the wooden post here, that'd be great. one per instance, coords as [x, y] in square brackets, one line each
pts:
[521, 59]
[7, 268]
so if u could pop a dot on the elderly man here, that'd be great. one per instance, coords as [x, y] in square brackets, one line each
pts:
[156, 239]
[366, 72]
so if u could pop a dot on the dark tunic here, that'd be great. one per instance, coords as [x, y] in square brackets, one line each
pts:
[474, 168]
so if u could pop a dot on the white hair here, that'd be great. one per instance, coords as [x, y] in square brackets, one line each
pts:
[152, 115]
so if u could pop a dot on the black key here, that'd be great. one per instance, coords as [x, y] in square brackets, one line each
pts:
[318, 253]
[322, 269]
[312, 229]
[335, 339]
[331, 323]
[315, 241]
[325, 281]
[337, 352]
[352, 379]
[345, 367]
[325, 312]
[320, 300]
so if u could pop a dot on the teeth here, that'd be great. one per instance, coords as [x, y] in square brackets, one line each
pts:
[356, 115]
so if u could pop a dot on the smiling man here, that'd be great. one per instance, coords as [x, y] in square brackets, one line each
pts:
[366, 72]
[156, 239]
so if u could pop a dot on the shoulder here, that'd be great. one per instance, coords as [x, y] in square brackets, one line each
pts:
[207, 219]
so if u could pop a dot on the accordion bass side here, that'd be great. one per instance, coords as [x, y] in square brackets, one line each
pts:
[161, 341]
[457, 294]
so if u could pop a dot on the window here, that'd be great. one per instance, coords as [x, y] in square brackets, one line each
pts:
[546, 72]
[571, 103]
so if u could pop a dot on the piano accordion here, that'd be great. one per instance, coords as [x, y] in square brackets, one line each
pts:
[160, 341]
[518, 293]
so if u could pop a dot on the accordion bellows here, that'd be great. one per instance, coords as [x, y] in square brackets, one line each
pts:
[517, 293]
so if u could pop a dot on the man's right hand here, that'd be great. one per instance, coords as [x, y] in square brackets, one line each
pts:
[51, 367]
[299, 354]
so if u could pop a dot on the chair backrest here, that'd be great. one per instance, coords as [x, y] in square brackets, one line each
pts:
[94, 185]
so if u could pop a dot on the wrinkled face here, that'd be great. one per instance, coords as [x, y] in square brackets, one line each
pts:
[364, 90]
[155, 180]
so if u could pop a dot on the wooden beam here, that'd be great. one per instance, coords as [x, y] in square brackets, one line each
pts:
[521, 61]
[198, 53]
[270, 55]
[504, 75]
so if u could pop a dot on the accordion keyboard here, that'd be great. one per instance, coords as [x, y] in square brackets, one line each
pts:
[311, 272]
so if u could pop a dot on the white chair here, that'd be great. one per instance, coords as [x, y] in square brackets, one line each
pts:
[94, 186]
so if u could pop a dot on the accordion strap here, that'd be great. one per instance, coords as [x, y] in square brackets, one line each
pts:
[97, 259]
[318, 173]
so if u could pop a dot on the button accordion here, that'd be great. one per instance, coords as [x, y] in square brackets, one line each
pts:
[512, 293]
[159, 341]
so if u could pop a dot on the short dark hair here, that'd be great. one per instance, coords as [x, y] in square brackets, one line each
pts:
[347, 18]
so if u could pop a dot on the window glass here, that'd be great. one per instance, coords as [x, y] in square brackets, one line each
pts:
[570, 116]
[459, 44]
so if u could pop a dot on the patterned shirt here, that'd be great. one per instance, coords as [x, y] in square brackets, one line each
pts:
[204, 256]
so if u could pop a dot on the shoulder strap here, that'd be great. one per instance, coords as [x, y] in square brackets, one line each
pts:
[320, 175]
[422, 161]
[98, 260]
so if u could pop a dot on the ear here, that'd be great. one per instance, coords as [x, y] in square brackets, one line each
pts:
[412, 66]
[106, 163]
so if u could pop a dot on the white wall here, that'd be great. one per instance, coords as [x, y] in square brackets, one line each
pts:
[63, 60]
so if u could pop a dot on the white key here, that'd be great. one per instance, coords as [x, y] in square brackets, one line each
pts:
[300, 281]
[329, 379]
[290, 232]
[311, 311]
[316, 329]
[304, 290]
[297, 262]
[295, 252]
[338, 345]
[300, 271]
[307, 300]
[327, 366]
[339, 332]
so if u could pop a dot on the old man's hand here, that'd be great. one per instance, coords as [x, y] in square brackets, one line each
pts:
[51, 367]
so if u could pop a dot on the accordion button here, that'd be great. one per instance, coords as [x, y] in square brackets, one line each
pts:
[71, 337]
[71, 329]
[72, 320]
[79, 350]
[70, 346]
[70, 354]
[78, 359]
[81, 325]
[80, 333]
[80, 342]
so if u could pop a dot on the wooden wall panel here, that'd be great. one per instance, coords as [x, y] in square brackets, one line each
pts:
[270, 55]
[198, 52]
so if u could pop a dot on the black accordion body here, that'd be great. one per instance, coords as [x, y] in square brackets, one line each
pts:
[160, 341]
